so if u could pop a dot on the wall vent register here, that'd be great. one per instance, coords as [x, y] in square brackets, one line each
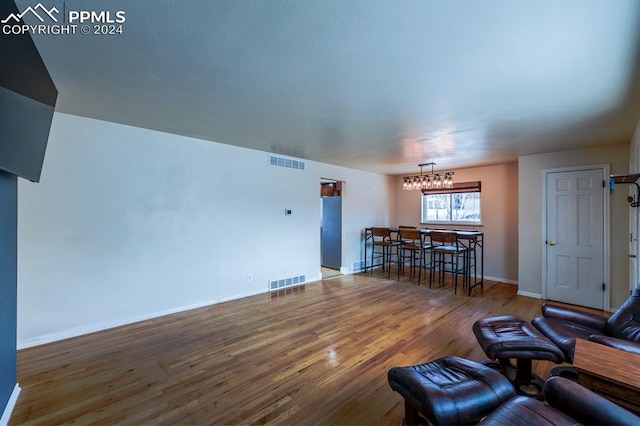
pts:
[286, 282]
[287, 163]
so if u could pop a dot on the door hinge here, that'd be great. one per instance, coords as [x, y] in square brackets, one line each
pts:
[603, 286]
[604, 184]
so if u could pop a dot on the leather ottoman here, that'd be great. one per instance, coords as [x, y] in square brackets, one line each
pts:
[449, 390]
[506, 337]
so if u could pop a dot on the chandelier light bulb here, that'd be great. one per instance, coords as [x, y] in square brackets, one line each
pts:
[428, 181]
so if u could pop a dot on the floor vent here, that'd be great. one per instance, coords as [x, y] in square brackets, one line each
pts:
[287, 163]
[286, 282]
[357, 266]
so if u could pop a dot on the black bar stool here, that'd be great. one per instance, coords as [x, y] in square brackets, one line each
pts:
[383, 246]
[410, 250]
[443, 244]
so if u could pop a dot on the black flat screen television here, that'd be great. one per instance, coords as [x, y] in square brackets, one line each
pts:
[27, 102]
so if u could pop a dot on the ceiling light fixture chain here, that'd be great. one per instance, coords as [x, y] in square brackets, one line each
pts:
[429, 181]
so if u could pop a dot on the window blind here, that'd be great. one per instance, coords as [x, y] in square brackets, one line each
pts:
[475, 186]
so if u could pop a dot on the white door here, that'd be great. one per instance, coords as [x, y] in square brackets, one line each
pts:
[575, 237]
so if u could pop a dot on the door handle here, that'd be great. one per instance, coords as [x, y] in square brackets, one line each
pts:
[633, 256]
[551, 243]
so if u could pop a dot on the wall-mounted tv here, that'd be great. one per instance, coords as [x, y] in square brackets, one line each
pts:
[27, 101]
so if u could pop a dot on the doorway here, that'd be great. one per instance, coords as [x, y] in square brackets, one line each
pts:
[576, 236]
[330, 227]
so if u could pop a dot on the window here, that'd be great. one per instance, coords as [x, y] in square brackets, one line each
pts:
[459, 204]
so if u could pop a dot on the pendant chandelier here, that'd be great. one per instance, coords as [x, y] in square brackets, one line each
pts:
[429, 181]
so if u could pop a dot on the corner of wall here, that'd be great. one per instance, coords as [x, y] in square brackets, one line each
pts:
[11, 404]
[8, 286]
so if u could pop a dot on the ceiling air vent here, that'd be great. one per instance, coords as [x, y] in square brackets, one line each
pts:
[287, 163]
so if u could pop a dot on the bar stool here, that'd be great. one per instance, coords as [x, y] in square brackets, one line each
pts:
[410, 249]
[469, 262]
[401, 227]
[385, 244]
[425, 253]
[443, 244]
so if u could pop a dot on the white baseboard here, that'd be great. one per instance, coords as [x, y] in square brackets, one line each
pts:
[11, 404]
[79, 331]
[486, 277]
[501, 280]
[237, 296]
[527, 294]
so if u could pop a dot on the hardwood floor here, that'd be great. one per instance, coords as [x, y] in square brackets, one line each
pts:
[318, 354]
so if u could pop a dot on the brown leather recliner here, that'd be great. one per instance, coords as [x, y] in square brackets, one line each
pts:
[456, 391]
[568, 403]
[563, 325]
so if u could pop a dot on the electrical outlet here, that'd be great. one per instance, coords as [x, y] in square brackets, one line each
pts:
[250, 277]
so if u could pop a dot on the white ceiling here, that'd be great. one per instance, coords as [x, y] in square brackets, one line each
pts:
[378, 85]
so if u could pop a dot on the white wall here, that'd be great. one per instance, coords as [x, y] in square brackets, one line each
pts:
[129, 223]
[530, 224]
[499, 211]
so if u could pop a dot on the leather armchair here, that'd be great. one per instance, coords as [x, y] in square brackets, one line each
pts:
[568, 403]
[563, 325]
[455, 391]
[621, 344]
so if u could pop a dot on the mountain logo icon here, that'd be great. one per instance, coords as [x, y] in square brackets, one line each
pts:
[38, 11]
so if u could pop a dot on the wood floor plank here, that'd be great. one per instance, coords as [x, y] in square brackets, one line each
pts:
[318, 354]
